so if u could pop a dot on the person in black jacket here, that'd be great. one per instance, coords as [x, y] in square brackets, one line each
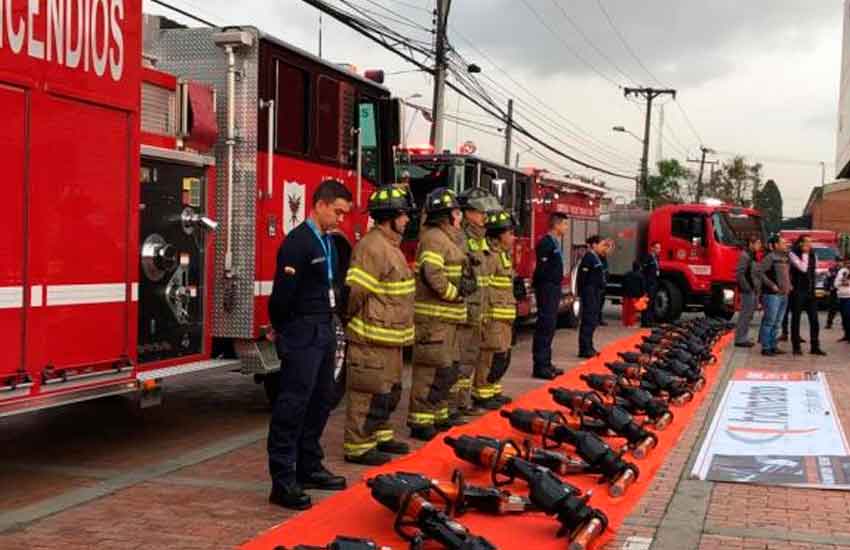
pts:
[547, 279]
[590, 283]
[803, 295]
[301, 310]
[651, 269]
[609, 244]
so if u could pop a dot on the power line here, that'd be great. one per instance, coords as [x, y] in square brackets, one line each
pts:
[546, 117]
[589, 42]
[184, 13]
[566, 45]
[624, 42]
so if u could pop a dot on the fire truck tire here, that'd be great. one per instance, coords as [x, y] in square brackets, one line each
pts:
[669, 302]
[569, 316]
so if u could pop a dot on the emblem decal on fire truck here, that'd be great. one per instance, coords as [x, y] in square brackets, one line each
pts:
[293, 205]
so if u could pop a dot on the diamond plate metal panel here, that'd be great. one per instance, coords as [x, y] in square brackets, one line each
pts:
[191, 53]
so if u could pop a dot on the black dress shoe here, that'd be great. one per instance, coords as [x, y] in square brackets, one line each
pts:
[603, 323]
[778, 351]
[768, 352]
[394, 447]
[744, 345]
[323, 480]
[556, 370]
[372, 457]
[423, 433]
[818, 351]
[797, 352]
[290, 496]
[587, 355]
[544, 374]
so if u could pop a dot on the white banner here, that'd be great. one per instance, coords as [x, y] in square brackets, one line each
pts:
[777, 429]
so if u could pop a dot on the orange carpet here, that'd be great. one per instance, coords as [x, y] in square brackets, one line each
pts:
[354, 513]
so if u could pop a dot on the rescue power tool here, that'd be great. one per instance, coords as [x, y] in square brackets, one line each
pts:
[654, 380]
[339, 543]
[599, 457]
[418, 519]
[461, 496]
[632, 398]
[581, 522]
[693, 375]
[606, 419]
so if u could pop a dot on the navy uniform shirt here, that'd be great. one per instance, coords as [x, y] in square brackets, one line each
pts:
[550, 262]
[651, 270]
[591, 275]
[301, 285]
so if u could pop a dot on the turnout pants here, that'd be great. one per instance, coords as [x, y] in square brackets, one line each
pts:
[548, 298]
[801, 302]
[469, 341]
[436, 363]
[306, 348]
[491, 368]
[373, 385]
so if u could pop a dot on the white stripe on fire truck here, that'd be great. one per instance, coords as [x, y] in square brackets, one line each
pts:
[36, 295]
[71, 295]
[134, 292]
[263, 288]
[11, 297]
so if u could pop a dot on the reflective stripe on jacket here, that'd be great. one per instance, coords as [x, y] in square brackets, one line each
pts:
[439, 265]
[380, 304]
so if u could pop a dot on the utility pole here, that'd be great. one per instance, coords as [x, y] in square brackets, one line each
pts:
[320, 35]
[702, 162]
[649, 94]
[442, 19]
[509, 127]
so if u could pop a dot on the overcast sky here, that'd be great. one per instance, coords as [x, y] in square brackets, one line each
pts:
[756, 77]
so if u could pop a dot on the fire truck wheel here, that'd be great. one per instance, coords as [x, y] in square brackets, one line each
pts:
[569, 317]
[669, 302]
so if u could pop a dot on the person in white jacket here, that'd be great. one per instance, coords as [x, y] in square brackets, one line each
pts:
[842, 287]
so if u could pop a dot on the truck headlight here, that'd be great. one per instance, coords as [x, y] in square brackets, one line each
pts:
[728, 296]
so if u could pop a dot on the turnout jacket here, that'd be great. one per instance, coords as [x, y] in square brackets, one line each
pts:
[380, 303]
[499, 311]
[439, 266]
[478, 251]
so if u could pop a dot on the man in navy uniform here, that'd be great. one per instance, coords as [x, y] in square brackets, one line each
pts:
[590, 284]
[301, 309]
[651, 269]
[548, 275]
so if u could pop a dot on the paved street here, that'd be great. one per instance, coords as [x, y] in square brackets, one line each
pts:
[191, 474]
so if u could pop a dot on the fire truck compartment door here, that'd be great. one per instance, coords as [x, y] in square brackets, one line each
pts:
[81, 168]
[172, 259]
[13, 148]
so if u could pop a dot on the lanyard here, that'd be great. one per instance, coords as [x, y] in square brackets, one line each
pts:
[557, 244]
[327, 247]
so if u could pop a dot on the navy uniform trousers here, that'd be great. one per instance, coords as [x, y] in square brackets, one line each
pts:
[307, 347]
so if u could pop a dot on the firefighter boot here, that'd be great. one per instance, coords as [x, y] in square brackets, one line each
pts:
[374, 390]
[483, 392]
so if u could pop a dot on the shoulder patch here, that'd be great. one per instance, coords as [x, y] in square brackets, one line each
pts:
[288, 270]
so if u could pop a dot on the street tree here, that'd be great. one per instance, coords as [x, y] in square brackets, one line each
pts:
[768, 200]
[667, 187]
[737, 182]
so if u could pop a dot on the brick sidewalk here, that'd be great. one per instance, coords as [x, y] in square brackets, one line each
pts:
[679, 513]
[192, 473]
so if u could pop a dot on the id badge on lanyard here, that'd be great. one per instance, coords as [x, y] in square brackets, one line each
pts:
[328, 249]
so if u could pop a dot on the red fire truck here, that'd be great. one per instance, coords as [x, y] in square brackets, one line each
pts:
[143, 211]
[531, 194]
[700, 246]
[825, 246]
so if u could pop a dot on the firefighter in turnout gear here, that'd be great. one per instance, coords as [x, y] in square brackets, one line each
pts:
[475, 203]
[498, 313]
[443, 280]
[380, 313]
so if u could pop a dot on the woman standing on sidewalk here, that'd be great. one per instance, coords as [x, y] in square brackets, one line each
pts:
[803, 295]
[775, 287]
